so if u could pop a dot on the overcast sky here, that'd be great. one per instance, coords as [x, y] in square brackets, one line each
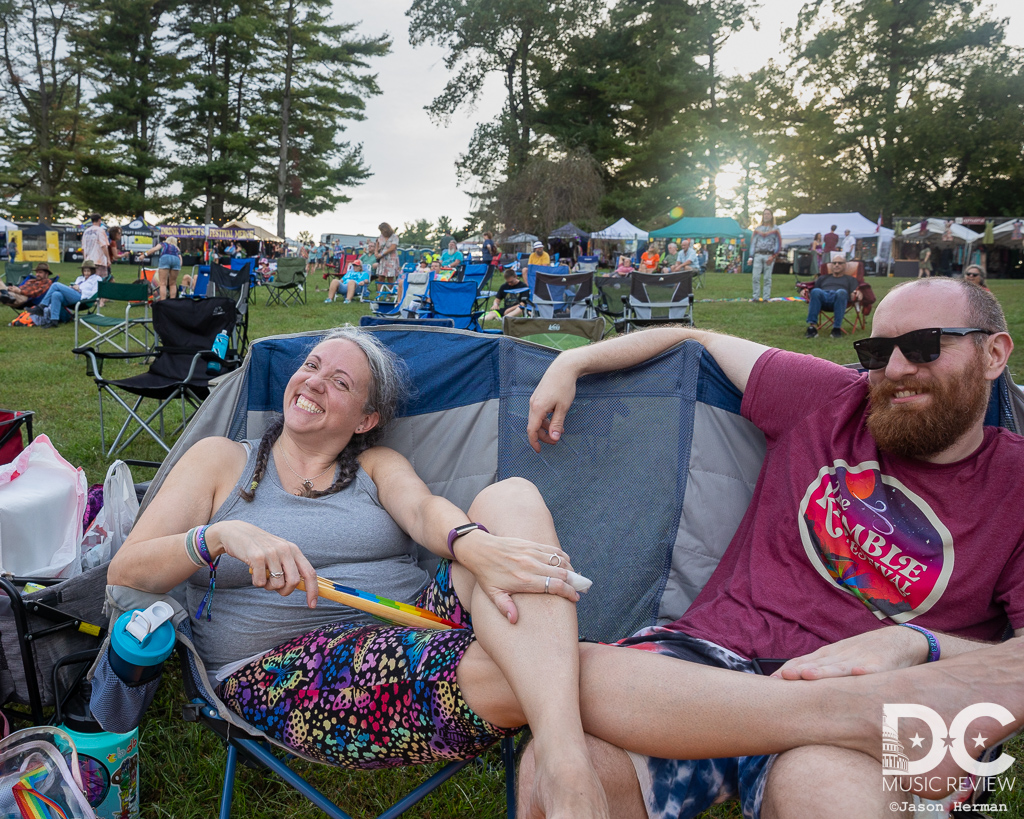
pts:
[412, 160]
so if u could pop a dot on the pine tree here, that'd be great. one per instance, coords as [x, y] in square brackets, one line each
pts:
[42, 132]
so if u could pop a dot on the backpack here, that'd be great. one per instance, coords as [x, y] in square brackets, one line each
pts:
[23, 320]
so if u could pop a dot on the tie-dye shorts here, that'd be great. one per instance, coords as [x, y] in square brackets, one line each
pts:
[364, 697]
[682, 788]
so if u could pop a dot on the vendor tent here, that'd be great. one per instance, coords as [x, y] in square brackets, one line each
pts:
[623, 229]
[521, 239]
[206, 232]
[702, 227]
[940, 233]
[569, 231]
[1009, 234]
[259, 233]
[803, 228]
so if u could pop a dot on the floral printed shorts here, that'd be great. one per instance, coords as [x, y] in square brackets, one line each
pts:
[365, 697]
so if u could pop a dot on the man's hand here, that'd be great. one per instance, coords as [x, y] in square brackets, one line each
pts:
[554, 395]
[884, 649]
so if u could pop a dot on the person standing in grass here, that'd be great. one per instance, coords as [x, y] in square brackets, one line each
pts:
[96, 246]
[387, 254]
[765, 246]
[168, 267]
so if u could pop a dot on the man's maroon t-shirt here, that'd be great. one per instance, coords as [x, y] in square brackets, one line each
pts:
[831, 242]
[841, 538]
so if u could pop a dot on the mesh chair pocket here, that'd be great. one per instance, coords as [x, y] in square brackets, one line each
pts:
[117, 706]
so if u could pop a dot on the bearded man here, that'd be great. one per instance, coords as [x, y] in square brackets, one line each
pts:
[867, 547]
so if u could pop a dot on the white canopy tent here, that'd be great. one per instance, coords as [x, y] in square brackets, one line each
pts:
[803, 228]
[621, 230]
[941, 233]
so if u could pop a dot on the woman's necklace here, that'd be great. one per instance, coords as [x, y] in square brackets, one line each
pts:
[307, 483]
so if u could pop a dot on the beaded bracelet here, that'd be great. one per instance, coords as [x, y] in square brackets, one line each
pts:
[197, 538]
[934, 651]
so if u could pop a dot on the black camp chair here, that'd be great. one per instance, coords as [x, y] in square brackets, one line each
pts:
[186, 329]
[234, 285]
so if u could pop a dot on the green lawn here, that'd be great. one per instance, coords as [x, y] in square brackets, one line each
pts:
[181, 773]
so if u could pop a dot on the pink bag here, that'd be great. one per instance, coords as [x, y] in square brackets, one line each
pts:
[42, 500]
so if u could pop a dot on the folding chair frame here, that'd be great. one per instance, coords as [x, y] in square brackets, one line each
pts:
[14, 424]
[183, 392]
[257, 752]
[288, 287]
[106, 329]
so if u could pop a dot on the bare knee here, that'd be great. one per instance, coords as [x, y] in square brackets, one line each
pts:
[514, 508]
[614, 768]
[855, 781]
[485, 689]
[509, 492]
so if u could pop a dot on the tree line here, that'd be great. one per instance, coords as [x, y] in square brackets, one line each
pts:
[197, 109]
[212, 109]
[621, 109]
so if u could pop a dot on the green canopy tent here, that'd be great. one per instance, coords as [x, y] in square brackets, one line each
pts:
[709, 228]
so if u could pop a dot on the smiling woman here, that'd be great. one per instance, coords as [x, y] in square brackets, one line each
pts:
[239, 512]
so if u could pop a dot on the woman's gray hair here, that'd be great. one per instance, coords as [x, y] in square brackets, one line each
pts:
[388, 386]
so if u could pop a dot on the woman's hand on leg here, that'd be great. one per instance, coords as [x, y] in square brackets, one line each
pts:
[504, 566]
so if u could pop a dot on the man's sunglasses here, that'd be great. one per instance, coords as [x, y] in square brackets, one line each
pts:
[917, 346]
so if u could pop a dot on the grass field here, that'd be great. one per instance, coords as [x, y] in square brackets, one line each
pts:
[181, 765]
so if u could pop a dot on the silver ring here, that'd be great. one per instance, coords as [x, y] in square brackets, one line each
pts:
[547, 583]
[277, 574]
[557, 561]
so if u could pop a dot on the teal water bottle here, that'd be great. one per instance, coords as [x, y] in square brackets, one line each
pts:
[220, 347]
[140, 642]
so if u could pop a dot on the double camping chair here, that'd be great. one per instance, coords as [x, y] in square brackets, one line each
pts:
[648, 560]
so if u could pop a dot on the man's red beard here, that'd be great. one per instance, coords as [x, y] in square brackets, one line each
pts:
[956, 403]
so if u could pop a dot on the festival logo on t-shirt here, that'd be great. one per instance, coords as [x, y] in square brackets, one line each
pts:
[875, 539]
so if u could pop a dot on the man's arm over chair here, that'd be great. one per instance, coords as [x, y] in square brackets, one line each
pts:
[556, 390]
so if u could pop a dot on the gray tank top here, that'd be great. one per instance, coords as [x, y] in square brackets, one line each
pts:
[348, 537]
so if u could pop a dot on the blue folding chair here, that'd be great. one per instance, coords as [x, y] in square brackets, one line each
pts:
[455, 301]
[391, 299]
[587, 264]
[202, 280]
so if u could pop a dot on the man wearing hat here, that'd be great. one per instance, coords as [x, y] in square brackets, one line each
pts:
[50, 309]
[29, 293]
[356, 278]
[539, 255]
